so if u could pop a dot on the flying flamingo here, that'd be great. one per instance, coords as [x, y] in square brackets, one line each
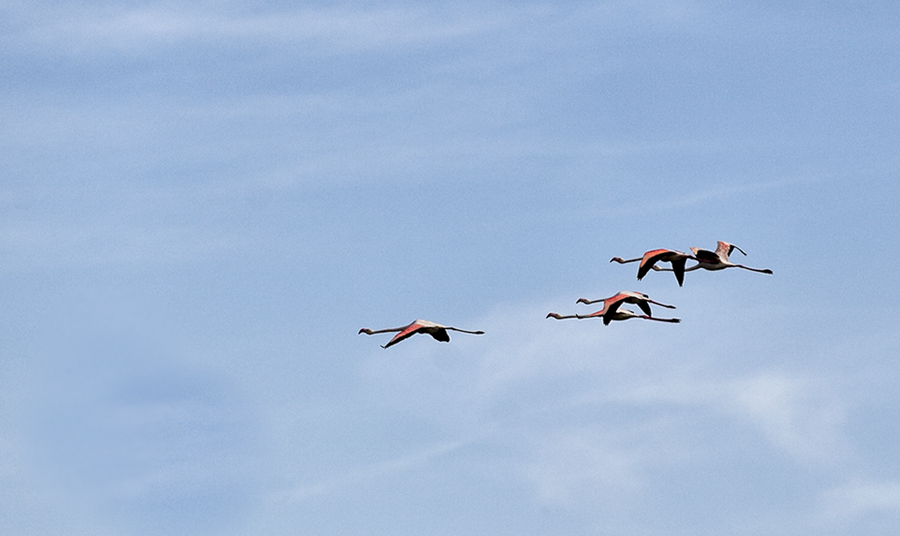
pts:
[612, 312]
[620, 314]
[625, 296]
[650, 258]
[437, 331]
[717, 260]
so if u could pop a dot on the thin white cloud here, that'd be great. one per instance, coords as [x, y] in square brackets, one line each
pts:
[860, 498]
[794, 415]
[717, 193]
[568, 466]
[365, 474]
[142, 29]
[590, 414]
[47, 244]
[582, 366]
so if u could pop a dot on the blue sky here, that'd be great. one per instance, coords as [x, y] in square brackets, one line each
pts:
[201, 204]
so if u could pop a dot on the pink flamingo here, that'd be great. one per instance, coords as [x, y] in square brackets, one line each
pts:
[612, 312]
[625, 296]
[650, 258]
[620, 314]
[717, 260]
[437, 331]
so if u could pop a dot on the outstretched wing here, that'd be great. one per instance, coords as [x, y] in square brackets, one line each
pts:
[645, 306]
[440, 334]
[610, 307]
[723, 250]
[408, 332]
[649, 259]
[678, 268]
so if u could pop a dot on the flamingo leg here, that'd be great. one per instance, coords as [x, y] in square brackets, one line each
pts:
[667, 306]
[479, 332]
[670, 320]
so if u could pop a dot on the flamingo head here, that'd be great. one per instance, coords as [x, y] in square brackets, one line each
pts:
[367, 331]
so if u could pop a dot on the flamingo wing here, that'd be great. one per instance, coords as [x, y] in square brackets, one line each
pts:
[645, 306]
[724, 249]
[610, 307]
[728, 249]
[408, 332]
[678, 267]
[650, 258]
[439, 334]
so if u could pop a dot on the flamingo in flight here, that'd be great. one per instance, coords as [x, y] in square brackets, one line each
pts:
[717, 260]
[650, 258]
[612, 312]
[437, 331]
[625, 296]
[619, 314]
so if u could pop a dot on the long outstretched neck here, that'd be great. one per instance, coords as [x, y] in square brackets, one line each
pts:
[620, 260]
[688, 269]
[368, 331]
[561, 317]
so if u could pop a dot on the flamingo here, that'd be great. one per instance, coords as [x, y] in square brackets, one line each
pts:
[625, 296]
[612, 312]
[717, 260]
[437, 331]
[650, 258]
[620, 314]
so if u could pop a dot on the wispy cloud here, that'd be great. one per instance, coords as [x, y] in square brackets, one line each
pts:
[42, 245]
[327, 29]
[585, 409]
[714, 194]
[795, 415]
[792, 414]
[146, 28]
[376, 471]
[567, 467]
[860, 498]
